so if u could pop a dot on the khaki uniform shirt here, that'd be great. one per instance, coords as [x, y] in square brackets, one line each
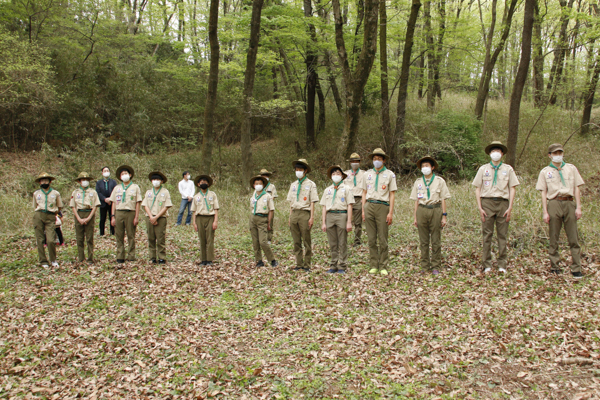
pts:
[343, 198]
[205, 204]
[50, 202]
[379, 186]
[549, 180]
[301, 197]
[485, 181]
[438, 191]
[271, 190]
[126, 197]
[157, 200]
[84, 199]
[261, 203]
[359, 178]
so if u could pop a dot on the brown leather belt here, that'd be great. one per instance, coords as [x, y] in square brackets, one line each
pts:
[565, 198]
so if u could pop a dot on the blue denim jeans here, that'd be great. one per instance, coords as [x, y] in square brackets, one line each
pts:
[185, 203]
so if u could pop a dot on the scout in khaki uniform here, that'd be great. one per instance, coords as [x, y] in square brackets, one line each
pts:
[84, 202]
[302, 197]
[156, 204]
[262, 207]
[561, 201]
[126, 198]
[354, 182]
[430, 193]
[270, 188]
[205, 207]
[379, 189]
[337, 202]
[496, 187]
[47, 203]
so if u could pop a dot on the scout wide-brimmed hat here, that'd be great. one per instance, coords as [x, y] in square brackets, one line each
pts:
[496, 145]
[354, 157]
[427, 158]
[44, 175]
[555, 147]
[378, 152]
[123, 168]
[83, 175]
[304, 163]
[207, 177]
[256, 178]
[333, 168]
[265, 172]
[162, 176]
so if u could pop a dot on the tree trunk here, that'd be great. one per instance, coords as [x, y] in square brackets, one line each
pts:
[559, 52]
[321, 97]
[246, 130]
[385, 97]
[588, 99]
[332, 83]
[440, 49]
[288, 70]
[538, 60]
[311, 80]
[430, 55]
[355, 81]
[213, 81]
[521, 77]
[421, 79]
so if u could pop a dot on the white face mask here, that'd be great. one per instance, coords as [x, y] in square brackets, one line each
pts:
[85, 183]
[354, 166]
[187, 177]
[557, 159]
[156, 183]
[377, 164]
[426, 171]
[125, 178]
[267, 178]
[106, 174]
[299, 174]
[258, 188]
[336, 178]
[496, 155]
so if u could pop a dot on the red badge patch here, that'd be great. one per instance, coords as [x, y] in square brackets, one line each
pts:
[383, 187]
[305, 199]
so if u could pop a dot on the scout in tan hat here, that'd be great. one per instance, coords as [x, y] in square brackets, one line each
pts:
[430, 193]
[379, 188]
[270, 188]
[156, 204]
[205, 208]
[84, 202]
[126, 199]
[47, 203]
[261, 218]
[302, 197]
[354, 182]
[495, 184]
[559, 184]
[337, 201]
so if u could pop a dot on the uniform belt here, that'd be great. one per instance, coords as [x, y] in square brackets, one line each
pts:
[262, 215]
[47, 212]
[301, 210]
[563, 198]
[385, 203]
[430, 206]
[338, 211]
[358, 197]
[84, 209]
[125, 210]
[495, 198]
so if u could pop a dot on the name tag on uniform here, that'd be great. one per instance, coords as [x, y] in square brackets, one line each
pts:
[504, 172]
[163, 195]
[385, 175]
[265, 200]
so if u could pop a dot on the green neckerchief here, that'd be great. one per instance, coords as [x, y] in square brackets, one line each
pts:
[155, 196]
[354, 174]
[377, 178]
[105, 184]
[262, 193]
[46, 194]
[428, 184]
[300, 181]
[125, 188]
[495, 181]
[205, 202]
[559, 172]
[83, 194]
[336, 187]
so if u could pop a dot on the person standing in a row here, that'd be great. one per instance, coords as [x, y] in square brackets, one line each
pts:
[156, 203]
[270, 188]
[84, 202]
[263, 208]
[354, 181]
[205, 207]
[187, 191]
[126, 199]
[104, 188]
[46, 203]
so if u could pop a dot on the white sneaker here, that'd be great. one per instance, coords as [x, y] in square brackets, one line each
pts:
[502, 270]
[45, 266]
[54, 264]
[487, 270]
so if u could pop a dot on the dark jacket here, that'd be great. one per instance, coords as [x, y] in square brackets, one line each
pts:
[102, 192]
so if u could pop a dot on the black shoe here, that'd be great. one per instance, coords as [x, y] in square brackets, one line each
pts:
[161, 261]
[203, 262]
[153, 260]
[556, 271]
[260, 264]
[306, 269]
[577, 274]
[341, 271]
[120, 261]
[332, 271]
[208, 263]
[274, 263]
[297, 268]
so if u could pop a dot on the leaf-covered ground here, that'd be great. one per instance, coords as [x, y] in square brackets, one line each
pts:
[232, 331]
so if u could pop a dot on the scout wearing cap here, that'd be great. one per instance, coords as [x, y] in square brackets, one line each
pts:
[430, 193]
[337, 202]
[156, 204]
[354, 181]
[126, 198]
[84, 202]
[262, 208]
[302, 197]
[270, 188]
[496, 187]
[379, 188]
[561, 202]
[205, 207]
[46, 203]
